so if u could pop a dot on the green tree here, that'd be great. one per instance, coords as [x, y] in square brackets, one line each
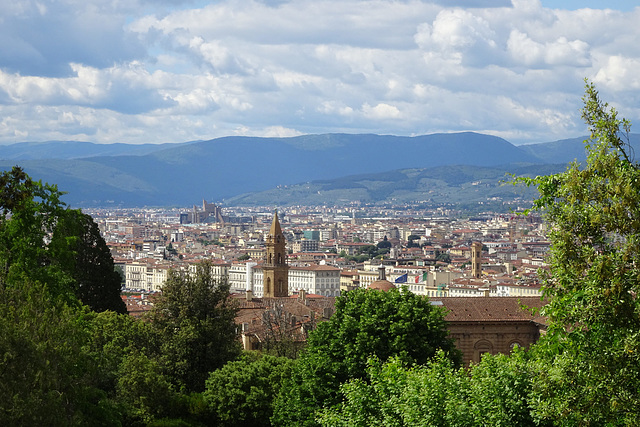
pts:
[366, 323]
[411, 241]
[41, 240]
[30, 211]
[589, 370]
[195, 317]
[494, 392]
[393, 394]
[384, 244]
[80, 250]
[444, 257]
[47, 375]
[241, 393]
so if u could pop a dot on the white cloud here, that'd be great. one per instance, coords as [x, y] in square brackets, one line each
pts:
[381, 111]
[164, 71]
[531, 53]
[619, 74]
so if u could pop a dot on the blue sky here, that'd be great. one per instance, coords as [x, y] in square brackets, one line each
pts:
[154, 71]
[624, 5]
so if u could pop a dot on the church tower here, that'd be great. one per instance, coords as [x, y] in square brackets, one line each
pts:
[476, 260]
[275, 269]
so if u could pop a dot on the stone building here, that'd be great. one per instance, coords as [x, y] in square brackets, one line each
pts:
[491, 325]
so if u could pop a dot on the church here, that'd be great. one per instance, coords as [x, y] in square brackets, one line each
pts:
[275, 271]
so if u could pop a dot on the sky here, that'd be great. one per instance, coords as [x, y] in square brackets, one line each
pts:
[158, 71]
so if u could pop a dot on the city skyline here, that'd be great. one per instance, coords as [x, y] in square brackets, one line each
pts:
[174, 71]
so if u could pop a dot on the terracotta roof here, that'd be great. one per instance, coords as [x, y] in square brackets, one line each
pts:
[491, 309]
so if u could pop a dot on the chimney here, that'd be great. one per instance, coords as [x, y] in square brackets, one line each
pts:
[249, 295]
[302, 295]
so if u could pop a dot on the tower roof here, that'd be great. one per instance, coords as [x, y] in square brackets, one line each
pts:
[275, 225]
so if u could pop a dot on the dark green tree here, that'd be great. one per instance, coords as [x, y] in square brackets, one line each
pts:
[366, 323]
[47, 376]
[241, 393]
[80, 250]
[589, 369]
[384, 244]
[195, 317]
[411, 241]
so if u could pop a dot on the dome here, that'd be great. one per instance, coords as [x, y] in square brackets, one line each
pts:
[382, 284]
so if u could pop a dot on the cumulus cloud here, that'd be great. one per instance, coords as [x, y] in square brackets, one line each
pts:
[166, 71]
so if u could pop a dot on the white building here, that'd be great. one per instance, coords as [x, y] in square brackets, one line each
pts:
[314, 279]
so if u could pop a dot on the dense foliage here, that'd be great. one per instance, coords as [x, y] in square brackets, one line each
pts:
[491, 393]
[77, 246]
[195, 317]
[366, 323]
[43, 241]
[241, 393]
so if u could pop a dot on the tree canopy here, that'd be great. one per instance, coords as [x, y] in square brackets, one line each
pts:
[42, 240]
[77, 246]
[241, 393]
[366, 323]
[195, 316]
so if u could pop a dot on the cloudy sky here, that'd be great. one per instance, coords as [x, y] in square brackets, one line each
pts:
[152, 71]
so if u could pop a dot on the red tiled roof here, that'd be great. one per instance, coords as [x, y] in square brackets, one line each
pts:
[494, 309]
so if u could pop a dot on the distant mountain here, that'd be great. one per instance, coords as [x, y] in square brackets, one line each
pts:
[457, 184]
[74, 150]
[236, 169]
[568, 150]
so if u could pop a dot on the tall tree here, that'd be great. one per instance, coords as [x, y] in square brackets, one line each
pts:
[366, 323]
[196, 318]
[590, 369]
[80, 250]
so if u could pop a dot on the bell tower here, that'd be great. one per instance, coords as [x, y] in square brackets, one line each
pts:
[275, 269]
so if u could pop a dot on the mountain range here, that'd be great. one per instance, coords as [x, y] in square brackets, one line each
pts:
[339, 168]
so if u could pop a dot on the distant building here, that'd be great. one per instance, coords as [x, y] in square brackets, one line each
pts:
[492, 325]
[305, 246]
[208, 213]
[312, 234]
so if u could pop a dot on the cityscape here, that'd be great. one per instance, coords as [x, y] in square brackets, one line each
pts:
[294, 213]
